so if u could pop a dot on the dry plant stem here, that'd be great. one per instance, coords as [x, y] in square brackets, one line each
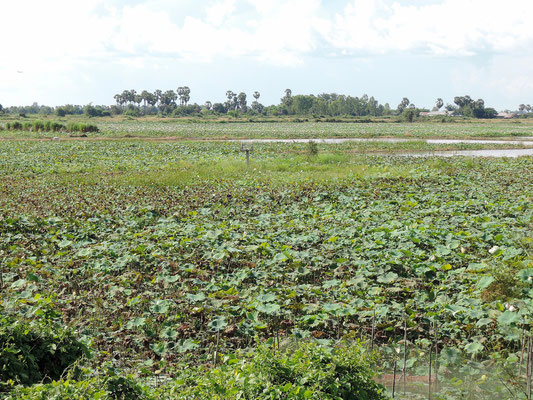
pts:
[529, 367]
[216, 349]
[404, 352]
[522, 350]
[373, 329]
[394, 378]
[429, 375]
[436, 354]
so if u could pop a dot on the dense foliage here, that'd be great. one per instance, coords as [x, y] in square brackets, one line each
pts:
[30, 353]
[293, 129]
[50, 126]
[163, 255]
[302, 372]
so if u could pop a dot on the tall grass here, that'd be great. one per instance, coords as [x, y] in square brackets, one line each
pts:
[50, 126]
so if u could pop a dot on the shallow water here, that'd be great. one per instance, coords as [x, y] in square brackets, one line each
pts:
[390, 140]
[512, 153]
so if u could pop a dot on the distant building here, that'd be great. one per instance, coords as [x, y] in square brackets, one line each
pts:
[504, 115]
[435, 113]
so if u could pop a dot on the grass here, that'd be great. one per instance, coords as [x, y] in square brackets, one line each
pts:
[158, 254]
[280, 128]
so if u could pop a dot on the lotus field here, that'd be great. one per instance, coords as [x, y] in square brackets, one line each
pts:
[298, 128]
[172, 270]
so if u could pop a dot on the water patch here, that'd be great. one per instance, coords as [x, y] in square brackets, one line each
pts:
[389, 140]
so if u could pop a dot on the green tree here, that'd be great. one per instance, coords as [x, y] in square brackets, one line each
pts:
[403, 105]
[287, 99]
[184, 95]
[157, 95]
[90, 111]
[241, 98]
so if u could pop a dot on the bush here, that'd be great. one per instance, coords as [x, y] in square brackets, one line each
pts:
[38, 126]
[309, 371]
[312, 148]
[61, 390]
[306, 371]
[82, 128]
[409, 115]
[124, 388]
[15, 126]
[29, 353]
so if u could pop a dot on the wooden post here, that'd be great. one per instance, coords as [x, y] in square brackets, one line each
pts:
[247, 151]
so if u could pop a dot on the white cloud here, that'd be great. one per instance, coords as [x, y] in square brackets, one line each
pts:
[451, 27]
[503, 76]
[279, 32]
[51, 41]
[218, 11]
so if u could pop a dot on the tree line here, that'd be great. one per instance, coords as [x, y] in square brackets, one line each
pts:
[177, 103]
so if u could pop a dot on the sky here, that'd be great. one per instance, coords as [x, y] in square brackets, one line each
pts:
[78, 52]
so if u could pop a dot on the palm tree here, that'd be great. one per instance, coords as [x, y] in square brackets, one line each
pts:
[183, 93]
[144, 96]
[230, 103]
[119, 99]
[241, 98]
[157, 95]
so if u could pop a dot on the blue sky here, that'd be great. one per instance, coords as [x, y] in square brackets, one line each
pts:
[69, 51]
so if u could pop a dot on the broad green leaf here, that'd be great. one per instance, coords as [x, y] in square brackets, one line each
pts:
[508, 318]
[484, 282]
[218, 324]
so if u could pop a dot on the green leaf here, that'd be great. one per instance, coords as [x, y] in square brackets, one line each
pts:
[484, 282]
[526, 275]
[508, 318]
[160, 306]
[136, 322]
[268, 308]
[218, 324]
[442, 251]
[187, 345]
[280, 257]
[389, 277]
[474, 347]
[200, 296]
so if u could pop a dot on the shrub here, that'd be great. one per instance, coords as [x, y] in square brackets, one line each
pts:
[309, 371]
[29, 354]
[60, 390]
[83, 128]
[56, 127]
[38, 126]
[122, 388]
[15, 126]
[312, 148]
